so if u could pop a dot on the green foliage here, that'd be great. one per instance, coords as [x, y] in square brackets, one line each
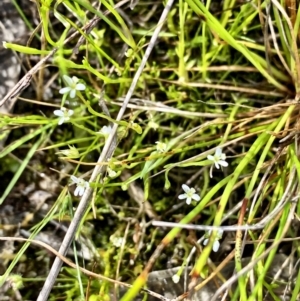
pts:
[211, 81]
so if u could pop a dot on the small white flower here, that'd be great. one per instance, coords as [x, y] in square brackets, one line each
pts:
[161, 147]
[106, 130]
[72, 86]
[117, 241]
[216, 244]
[81, 185]
[63, 114]
[175, 278]
[111, 172]
[189, 194]
[218, 159]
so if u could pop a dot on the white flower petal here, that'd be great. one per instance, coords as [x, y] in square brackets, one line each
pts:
[64, 90]
[216, 246]
[74, 179]
[68, 80]
[216, 243]
[81, 190]
[223, 157]
[211, 158]
[218, 152]
[74, 80]
[196, 197]
[192, 190]
[72, 93]
[223, 163]
[182, 196]
[80, 87]
[111, 172]
[217, 164]
[185, 188]
[175, 278]
[76, 192]
[106, 130]
[188, 201]
[61, 120]
[59, 113]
